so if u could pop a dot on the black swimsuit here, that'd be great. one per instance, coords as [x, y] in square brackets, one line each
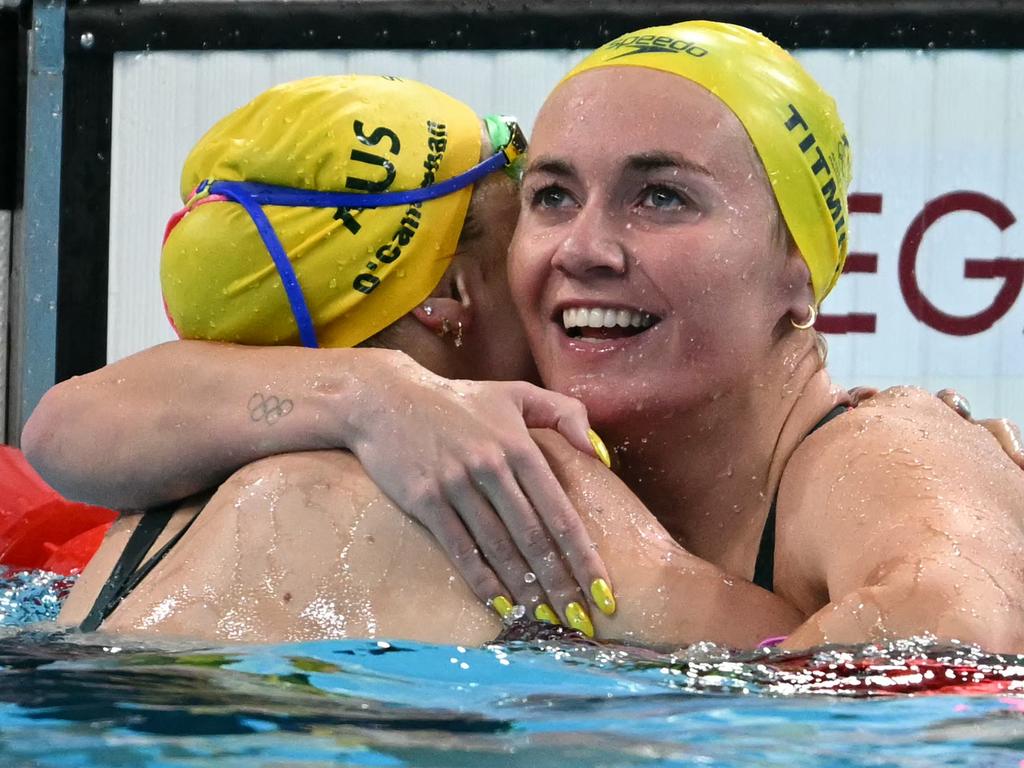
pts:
[130, 570]
[764, 566]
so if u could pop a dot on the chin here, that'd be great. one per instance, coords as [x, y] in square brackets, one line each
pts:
[612, 404]
[634, 403]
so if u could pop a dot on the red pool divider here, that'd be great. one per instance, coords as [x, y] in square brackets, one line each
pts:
[40, 529]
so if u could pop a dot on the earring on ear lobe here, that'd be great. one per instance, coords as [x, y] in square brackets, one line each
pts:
[809, 322]
[446, 331]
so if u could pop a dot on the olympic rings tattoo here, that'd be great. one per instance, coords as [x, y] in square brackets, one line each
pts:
[268, 409]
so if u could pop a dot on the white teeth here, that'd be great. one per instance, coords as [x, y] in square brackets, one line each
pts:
[585, 317]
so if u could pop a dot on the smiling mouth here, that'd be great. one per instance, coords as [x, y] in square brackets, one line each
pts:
[596, 324]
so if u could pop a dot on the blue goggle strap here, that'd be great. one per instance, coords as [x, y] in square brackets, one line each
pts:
[304, 321]
[269, 194]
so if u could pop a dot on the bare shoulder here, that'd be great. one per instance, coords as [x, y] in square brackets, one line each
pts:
[575, 470]
[335, 469]
[616, 519]
[901, 472]
[904, 433]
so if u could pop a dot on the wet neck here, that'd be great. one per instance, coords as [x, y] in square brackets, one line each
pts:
[709, 473]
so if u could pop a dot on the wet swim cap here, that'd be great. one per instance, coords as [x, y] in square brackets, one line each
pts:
[357, 270]
[793, 124]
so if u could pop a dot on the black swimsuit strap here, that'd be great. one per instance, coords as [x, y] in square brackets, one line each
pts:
[127, 573]
[764, 566]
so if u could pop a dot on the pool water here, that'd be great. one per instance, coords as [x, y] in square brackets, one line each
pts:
[74, 700]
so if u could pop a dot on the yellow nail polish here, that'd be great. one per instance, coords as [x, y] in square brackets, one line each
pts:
[599, 448]
[578, 619]
[502, 605]
[603, 596]
[545, 613]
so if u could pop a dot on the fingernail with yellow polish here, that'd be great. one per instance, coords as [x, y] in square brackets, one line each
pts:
[599, 448]
[544, 612]
[578, 619]
[502, 605]
[603, 596]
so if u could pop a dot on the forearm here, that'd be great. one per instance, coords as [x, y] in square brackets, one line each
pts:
[680, 600]
[180, 417]
[969, 609]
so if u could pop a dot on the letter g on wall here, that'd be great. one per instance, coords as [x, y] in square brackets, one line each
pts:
[1011, 270]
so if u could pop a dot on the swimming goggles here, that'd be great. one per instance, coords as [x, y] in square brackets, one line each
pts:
[505, 134]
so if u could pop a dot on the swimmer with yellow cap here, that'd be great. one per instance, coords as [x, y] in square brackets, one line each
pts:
[324, 210]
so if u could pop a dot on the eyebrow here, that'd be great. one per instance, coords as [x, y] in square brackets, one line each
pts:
[646, 161]
[653, 161]
[552, 166]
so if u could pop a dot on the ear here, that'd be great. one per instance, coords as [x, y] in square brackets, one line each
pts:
[439, 313]
[799, 290]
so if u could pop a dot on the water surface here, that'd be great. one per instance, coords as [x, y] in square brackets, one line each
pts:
[74, 700]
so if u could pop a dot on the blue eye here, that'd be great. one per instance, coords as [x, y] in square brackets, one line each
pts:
[663, 198]
[551, 197]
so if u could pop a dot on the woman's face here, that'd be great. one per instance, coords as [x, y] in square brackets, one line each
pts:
[644, 205]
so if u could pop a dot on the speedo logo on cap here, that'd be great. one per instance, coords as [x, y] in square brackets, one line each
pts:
[654, 44]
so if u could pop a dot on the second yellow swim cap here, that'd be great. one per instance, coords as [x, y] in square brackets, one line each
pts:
[357, 269]
[793, 124]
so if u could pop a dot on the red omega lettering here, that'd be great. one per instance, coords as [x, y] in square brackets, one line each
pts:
[1010, 270]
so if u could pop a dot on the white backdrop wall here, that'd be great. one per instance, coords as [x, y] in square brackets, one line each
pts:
[935, 134]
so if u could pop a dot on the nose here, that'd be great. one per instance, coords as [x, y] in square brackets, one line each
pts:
[590, 244]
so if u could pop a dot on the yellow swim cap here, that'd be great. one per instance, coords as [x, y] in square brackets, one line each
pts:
[354, 269]
[793, 124]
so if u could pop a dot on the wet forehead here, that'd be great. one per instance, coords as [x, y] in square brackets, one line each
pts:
[607, 115]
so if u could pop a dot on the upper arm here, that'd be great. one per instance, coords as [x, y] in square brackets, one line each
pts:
[913, 522]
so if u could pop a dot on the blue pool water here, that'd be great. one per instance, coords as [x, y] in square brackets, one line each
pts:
[68, 700]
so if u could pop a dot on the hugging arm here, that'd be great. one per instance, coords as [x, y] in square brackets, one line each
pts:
[180, 417]
[923, 529]
[455, 455]
[668, 597]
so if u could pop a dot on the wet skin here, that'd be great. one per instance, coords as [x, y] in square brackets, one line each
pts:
[305, 547]
[676, 219]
